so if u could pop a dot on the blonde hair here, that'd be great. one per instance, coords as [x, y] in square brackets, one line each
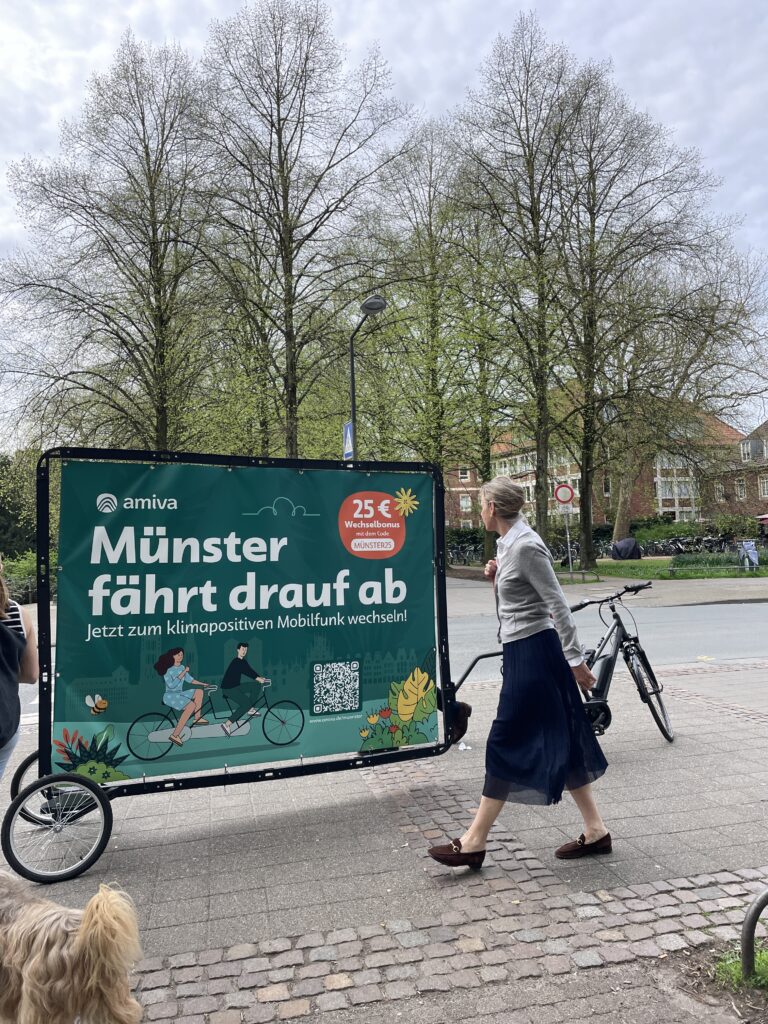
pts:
[508, 497]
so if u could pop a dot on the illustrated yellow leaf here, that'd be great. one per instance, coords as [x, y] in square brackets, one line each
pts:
[414, 688]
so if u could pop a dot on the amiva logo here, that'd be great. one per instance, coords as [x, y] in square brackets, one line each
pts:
[108, 503]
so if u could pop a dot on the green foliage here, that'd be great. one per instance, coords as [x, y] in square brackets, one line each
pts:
[728, 970]
[661, 529]
[662, 569]
[736, 526]
[704, 558]
[459, 536]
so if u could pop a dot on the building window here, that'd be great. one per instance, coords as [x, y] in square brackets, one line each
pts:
[765, 449]
[746, 451]
[762, 484]
[528, 489]
[464, 475]
[606, 486]
[667, 489]
[741, 488]
[683, 489]
[465, 503]
[466, 524]
[574, 482]
[684, 517]
[719, 491]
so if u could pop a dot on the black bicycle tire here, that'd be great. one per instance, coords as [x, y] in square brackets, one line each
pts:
[270, 711]
[160, 716]
[18, 775]
[6, 841]
[653, 700]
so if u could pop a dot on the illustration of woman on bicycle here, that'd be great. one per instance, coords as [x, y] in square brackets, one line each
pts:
[188, 702]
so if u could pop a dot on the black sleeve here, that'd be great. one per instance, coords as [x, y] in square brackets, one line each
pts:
[246, 669]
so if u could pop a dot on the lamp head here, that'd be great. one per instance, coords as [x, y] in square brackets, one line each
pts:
[373, 304]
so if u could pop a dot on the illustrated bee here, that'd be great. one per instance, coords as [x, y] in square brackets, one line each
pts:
[97, 704]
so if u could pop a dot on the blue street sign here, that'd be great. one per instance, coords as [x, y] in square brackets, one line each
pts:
[349, 444]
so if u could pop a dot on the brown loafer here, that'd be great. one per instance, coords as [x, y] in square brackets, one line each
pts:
[581, 848]
[452, 856]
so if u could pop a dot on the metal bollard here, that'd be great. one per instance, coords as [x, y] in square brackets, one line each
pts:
[748, 934]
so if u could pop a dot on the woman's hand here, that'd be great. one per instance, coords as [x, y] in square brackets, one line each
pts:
[583, 676]
[490, 570]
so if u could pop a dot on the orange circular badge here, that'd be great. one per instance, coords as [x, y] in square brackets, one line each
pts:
[370, 525]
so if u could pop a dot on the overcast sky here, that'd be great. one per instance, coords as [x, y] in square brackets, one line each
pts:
[698, 66]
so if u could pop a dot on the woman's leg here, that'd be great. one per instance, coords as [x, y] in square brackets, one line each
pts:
[197, 700]
[594, 826]
[184, 718]
[475, 837]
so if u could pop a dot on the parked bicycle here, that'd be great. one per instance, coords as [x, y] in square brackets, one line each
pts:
[602, 660]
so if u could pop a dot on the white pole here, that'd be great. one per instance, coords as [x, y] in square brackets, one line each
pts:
[568, 544]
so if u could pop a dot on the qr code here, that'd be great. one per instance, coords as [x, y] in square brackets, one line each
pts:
[336, 687]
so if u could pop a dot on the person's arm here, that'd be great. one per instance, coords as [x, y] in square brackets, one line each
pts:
[541, 576]
[246, 669]
[29, 666]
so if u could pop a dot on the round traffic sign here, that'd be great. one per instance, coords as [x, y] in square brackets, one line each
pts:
[564, 494]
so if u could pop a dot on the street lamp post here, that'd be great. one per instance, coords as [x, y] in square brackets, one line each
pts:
[373, 304]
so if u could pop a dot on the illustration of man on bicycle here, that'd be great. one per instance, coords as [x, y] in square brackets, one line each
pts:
[242, 694]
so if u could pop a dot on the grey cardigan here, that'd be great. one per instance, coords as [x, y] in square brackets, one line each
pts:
[529, 596]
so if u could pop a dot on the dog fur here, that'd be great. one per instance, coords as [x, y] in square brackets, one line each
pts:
[57, 964]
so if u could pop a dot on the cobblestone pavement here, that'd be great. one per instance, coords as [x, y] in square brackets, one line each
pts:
[315, 897]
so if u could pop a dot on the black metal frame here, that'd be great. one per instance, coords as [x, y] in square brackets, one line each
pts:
[225, 777]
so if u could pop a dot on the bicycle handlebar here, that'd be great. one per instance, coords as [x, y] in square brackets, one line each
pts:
[631, 588]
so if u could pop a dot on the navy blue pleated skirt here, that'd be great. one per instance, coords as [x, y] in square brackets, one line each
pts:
[541, 741]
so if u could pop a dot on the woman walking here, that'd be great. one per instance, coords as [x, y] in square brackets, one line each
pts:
[541, 741]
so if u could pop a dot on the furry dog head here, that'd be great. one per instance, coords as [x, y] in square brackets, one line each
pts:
[58, 964]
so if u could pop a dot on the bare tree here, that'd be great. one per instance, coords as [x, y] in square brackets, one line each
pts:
[513, 130]
[297, 139]
[111, 317]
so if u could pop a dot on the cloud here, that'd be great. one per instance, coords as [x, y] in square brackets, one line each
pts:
[284, 507]
[695, 65]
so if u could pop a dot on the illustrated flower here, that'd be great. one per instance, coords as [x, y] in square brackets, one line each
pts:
[373, 719]
[393, 729]
[406, 501]
[385, 712]
[365, 733]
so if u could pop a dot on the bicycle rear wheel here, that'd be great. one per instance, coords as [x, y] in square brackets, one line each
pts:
[56, 828]
[650, 690]
[147, 739]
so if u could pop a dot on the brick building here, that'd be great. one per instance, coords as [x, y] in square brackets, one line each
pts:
[671, 486]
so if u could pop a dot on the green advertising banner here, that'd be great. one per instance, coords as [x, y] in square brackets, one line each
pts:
[214, 616]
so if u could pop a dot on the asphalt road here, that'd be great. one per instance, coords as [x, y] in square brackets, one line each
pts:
[681, 634]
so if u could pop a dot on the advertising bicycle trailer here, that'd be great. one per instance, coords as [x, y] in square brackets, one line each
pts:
[225, 620]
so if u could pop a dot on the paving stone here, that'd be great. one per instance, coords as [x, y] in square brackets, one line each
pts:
[332, 982]
[163, 1011]
[242, 951]
[282, 974]
[439, 983]
[182, 960]
[671, 942]
[290, 958]
[310, 940]
[275, 945]
[524, 969]
[615, 954]
[587, 912]
[307, 987]
[488, 974]
[464, 979]
[365, 994]
[556, 964]
[225, 1017]
[247, 981]
[637, 932]
[195, 988]
[410, 939]
[294, 1008]
[587, 958]
[226, 969]
[313, 970]
[398, 926]
[667, 927]
[647, 948]
[149, 965]
[161, 979]
[341, 935]
[696, 938]
[200, 1004]
[399, 990]
[255, 964]
[273, 993]
[263, 1013]
[331, 1001]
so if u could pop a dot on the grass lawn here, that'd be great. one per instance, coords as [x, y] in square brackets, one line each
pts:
[658, 568]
